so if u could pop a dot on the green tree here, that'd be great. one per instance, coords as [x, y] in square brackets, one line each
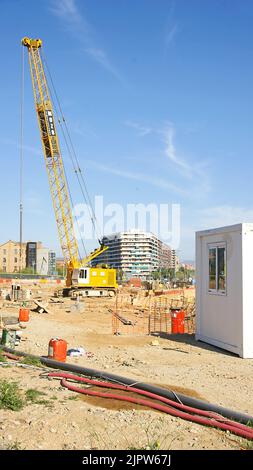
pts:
[120, 274]
[60, 270]
[27, 270]
[155, 275]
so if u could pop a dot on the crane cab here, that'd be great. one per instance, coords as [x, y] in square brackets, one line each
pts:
[94, 281]
[83, 276]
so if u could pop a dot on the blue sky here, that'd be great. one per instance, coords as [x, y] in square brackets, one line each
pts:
[158, 96]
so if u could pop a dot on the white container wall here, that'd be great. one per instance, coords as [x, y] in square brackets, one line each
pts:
[224, 288]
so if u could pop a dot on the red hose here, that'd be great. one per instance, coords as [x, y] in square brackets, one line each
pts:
[210, 418]
[11, 356]
[174, 404]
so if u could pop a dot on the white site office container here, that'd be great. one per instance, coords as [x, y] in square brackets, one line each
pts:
[224, 288]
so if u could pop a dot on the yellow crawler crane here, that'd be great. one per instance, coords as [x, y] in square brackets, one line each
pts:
[92, 281]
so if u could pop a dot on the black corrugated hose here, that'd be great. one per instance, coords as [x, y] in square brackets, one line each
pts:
[177, 397]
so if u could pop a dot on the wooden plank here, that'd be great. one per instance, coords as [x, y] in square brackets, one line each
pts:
[42, 307]
[123, 320]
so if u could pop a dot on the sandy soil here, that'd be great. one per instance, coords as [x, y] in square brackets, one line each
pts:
[72, 421]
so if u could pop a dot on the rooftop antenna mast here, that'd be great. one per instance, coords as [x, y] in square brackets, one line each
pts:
[21, 165]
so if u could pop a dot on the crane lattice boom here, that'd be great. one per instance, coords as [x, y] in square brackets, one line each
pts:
[52, 154]
[97, 280]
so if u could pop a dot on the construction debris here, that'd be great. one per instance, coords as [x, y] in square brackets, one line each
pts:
[155, 343]
[9, 320]
[76, 352]
[54, 300]
[41, 308]
[125, 321]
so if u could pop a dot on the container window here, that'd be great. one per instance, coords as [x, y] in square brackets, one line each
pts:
[217, 268]
[212, 268]
[221, 269]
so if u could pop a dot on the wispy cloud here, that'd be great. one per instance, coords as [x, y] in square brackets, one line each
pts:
[67, 10]
[208, 218]
[196, 170]
[83, 129]
[187, 168]
[172, 26]
[170, 34]
[170, 149]
[142, 130]
[224, 215]
[100, 56]
[78, 26]
[142, 177]
[25, 147]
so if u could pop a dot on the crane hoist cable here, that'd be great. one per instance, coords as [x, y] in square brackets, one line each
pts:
[73, 156]
[79, 175]
[66, 177]
[70, 195]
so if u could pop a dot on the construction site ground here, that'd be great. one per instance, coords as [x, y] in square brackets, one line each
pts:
[67, 420]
